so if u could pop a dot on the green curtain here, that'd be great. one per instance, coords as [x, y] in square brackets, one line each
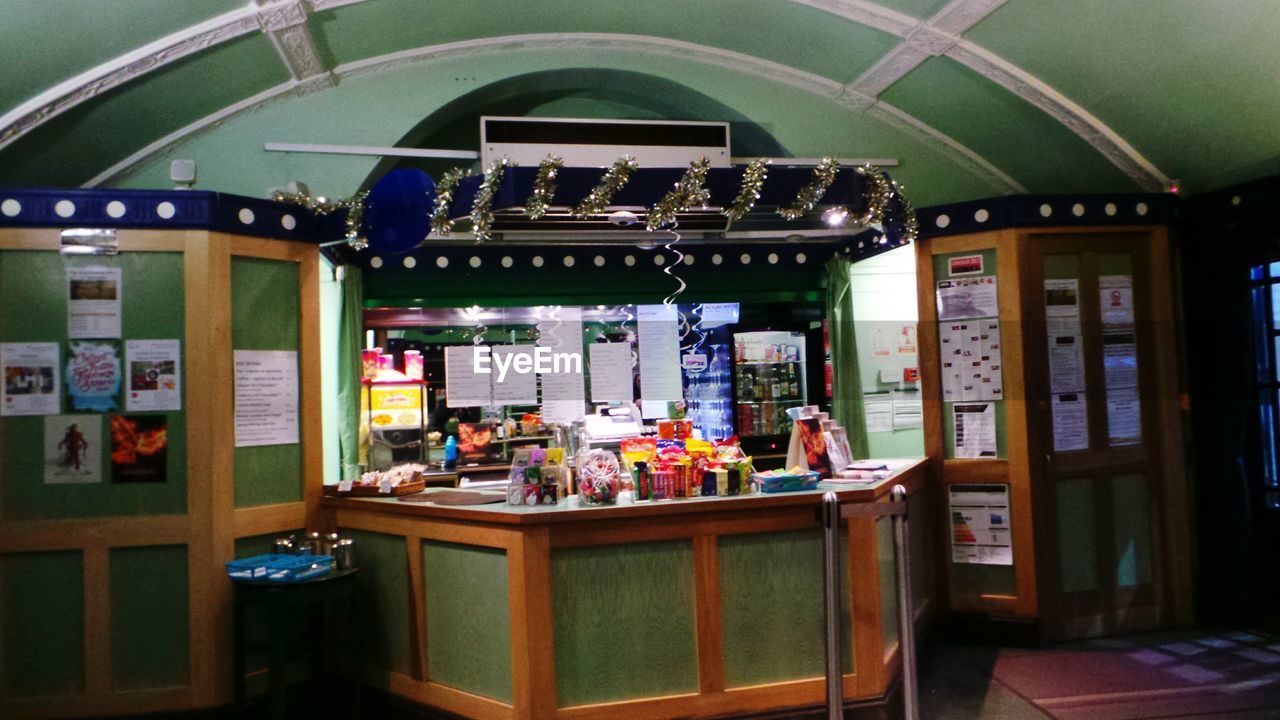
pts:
[350, 341]
[846, 381]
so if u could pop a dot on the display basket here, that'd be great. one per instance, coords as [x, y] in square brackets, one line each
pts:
[279, 568]
[786, 483]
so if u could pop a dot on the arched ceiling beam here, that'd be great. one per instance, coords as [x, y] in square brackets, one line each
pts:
[285, 22]
[689, 52]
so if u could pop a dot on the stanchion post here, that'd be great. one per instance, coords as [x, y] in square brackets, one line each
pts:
[906, 608]
[831, 604]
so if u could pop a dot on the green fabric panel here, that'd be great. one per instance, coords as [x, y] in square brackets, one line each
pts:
[33, 309]
[42, 624]
[149, 621]
[1132, 529]
[624, 622]
[942, 271]
[771, 605]
[1061, 267]
[1115, 264]
[846, 380]
[1078, 552]
[886, 565]
[350, 341]
[468, 618]
[383, 621]
[265, 315]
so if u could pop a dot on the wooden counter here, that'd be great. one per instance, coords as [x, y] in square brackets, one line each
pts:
[684, 608]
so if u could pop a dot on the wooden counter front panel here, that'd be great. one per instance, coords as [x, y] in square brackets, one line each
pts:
[691, 614]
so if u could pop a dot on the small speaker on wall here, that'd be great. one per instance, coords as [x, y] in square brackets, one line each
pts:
[183, 173]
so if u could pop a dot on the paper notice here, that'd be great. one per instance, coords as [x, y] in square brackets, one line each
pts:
[611, 377]
[93, 302]
[1070, 422]
[951, 349]
[72, 449]
[519, 384]
[1115, 300]
[716, 314]
[980, 530]
[564, 394]
[991, 374]
[266, 397]
[878, 412]
[1124, 416]
[153, 373]
[659, 348]
[32, 384]
[967, 298]
[1120, 360]
[464, 385]
[974, 425]
[1066, 364]
[1062, 298]
[93, 375]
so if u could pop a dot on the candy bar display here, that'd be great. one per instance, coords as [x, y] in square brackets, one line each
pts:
[671, 469]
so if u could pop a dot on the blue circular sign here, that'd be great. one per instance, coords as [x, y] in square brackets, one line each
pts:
[397, 212]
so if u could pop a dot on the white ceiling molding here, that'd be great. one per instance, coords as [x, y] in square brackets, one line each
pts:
[284, 22]
[321, 5]
[769, 70]
[1080, 121]
[941, 35]
[929, 39]
[286, 25]
[866, 13]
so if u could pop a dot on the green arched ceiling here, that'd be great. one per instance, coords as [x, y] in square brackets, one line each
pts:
[973, 97]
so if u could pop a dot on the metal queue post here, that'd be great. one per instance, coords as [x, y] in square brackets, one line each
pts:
[832, 513]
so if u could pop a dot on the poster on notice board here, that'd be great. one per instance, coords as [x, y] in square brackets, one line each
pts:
[980, 531]
[94, 297]
[31, 379]
[72, 449]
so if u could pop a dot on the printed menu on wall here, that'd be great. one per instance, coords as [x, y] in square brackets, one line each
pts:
[93, 302]
[32, 383]
[659, 349]
[464, 387]
[611, 372]
[266, 397]
[980, 530]
[519, 384]
[564, 394]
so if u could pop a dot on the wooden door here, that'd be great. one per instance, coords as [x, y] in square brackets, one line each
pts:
[1094, 435]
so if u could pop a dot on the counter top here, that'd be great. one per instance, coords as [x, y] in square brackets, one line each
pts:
[905, 472]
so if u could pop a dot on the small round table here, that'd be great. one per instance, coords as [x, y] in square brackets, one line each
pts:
[326, 597]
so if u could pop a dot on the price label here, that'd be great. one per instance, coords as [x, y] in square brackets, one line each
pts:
[345, 486]
[384, 486]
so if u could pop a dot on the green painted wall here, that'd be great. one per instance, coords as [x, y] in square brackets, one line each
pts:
[41, 624]
[383, 600]
[265, 315]
[150, 623]
[624, 622]
[33, 308]
[468, 631]
[771, 604]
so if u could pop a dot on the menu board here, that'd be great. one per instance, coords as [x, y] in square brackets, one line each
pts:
[464, 385]
[515, 381]
[659, 340]
[611, 372]
[564, 396]
[266, 397]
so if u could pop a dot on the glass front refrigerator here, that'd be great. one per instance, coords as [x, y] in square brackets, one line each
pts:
[769, 378]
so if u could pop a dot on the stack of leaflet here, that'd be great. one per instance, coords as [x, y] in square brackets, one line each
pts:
[865, 471]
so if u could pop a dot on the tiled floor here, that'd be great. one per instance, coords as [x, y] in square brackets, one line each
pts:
[1198, 674]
